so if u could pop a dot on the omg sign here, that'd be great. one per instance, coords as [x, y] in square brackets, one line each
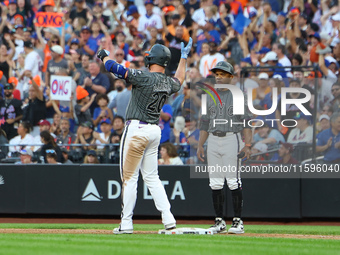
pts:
[61, 87]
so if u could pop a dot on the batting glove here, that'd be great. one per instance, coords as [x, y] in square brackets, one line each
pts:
[186, 50]
[102, 54]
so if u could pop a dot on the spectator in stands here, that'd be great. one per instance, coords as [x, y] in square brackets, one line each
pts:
[5, 58]
[186, 104]
[79, 10]
[3, 140]
[122, 98]
[153, 39]
[271, 59]
[192, 135]
[23, 139]
[118, 128]
[164, 123]
[98, 83]
[44, 125]
[324, 123]
[327, 109]
[85, 136]
[91, 158]
[105, 131]
[67, 161]
[149, 20]
[86, 43]
[329, 67]
[25, 157]
[169, 155]
[280, 49]
[52, 157]
[33, 62]
[176, 135]
[260, 149]
[336, 94]
[10, 112]
[285, 152]
[83, 71]
[174, 41]
[65, 136]
[207, 62]
[120, 42]
[303, 133]
[36, 108]
[270, 137]
[291, 109]
[263, 89]
[55, 126]
[83, 104]
[49, 144]
[102, 112]
[209, 34]
[329, 142]
[56, 63]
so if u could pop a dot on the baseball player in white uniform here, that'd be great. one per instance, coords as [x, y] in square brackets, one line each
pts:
[141, 137]
[225, 149]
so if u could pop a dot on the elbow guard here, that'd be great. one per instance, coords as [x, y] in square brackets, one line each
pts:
[116, 69]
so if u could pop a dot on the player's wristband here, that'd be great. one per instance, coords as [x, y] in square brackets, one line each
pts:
[247, 145]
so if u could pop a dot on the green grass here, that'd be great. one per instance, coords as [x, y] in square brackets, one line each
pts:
[166, 244]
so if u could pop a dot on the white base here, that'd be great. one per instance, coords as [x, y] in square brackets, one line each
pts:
[183, 231]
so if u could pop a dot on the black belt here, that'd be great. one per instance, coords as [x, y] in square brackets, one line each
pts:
[221, 133]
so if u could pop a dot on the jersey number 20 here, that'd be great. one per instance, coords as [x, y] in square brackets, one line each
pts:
[157, 102]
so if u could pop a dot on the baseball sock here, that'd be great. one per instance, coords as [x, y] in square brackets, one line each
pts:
[218, 200]
[237, 201]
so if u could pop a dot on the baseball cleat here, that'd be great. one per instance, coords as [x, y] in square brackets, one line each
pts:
[170, 226]
[118, 231]
[236, 226]
[219, 227]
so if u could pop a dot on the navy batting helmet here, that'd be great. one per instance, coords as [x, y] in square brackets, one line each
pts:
[159, 55]
[223, 66]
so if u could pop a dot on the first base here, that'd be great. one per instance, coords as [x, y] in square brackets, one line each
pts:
[183, 231]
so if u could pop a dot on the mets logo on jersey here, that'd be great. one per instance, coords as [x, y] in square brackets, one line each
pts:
[230, 111]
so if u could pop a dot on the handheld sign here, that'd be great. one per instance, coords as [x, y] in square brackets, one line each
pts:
[49, 19]
[61, 87]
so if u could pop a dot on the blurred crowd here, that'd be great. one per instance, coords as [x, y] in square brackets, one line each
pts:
[270, 43]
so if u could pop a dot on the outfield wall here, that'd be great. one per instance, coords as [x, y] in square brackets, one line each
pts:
[95, 190]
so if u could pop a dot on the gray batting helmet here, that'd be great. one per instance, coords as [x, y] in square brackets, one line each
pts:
[223, 66]
[159, 54]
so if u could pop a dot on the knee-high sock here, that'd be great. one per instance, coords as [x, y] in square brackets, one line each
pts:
[237, 201]
[218, 201]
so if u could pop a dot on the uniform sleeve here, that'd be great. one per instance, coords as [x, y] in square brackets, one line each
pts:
[137, 78]
[175, 85]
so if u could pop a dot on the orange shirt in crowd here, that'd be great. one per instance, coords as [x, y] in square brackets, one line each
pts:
[172, 30]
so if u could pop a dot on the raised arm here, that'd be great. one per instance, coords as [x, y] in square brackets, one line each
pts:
[181, 69]
[112, 66]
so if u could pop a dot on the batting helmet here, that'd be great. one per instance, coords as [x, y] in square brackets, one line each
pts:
[223, 66]
[159, 55]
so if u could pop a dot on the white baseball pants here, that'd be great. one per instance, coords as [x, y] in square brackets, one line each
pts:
[222, 158]
[139, 151]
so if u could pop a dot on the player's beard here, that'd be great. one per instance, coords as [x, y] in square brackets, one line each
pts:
[8, 94]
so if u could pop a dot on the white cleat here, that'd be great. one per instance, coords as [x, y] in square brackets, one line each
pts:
[219, 227]
[118, 231]
[236, 227]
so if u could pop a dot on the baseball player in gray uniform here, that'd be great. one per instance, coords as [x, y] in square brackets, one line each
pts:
[225, 148]
[141, 137]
